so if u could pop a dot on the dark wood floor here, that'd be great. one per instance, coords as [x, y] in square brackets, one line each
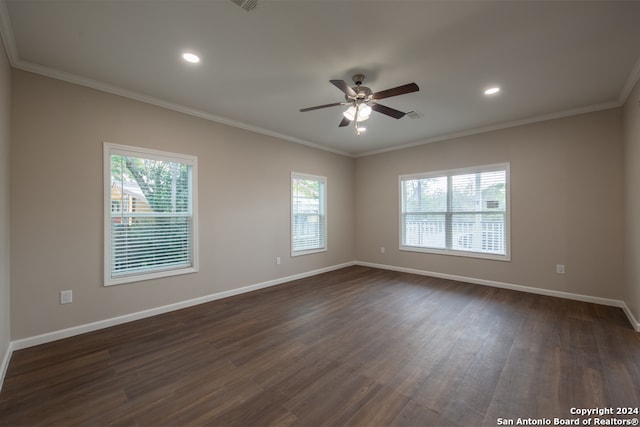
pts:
[357, 346]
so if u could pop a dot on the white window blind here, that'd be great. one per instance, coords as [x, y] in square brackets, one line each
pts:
[461, 212]
[150, 214]
[308, 214]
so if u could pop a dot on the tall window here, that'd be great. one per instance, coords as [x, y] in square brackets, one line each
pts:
[308, 214]
[150, 214]
[459, 212]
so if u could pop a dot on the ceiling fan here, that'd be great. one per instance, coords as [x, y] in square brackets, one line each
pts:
[362, 101]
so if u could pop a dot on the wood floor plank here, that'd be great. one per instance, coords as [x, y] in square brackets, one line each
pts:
[354, 347]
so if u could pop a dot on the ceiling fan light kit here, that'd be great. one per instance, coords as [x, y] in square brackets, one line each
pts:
[359, 112]
[362, 101]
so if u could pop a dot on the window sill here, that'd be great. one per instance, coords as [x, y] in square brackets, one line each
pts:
[109, 281]
[493, 257]
[308, 252]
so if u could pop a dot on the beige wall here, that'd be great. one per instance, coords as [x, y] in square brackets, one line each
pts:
[566, 198]
[5, 106]
[632, 198]
[566, 204]
[56, 210]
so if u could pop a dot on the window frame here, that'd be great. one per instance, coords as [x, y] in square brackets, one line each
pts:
[450, 173]
[110, 149]
[323, 207]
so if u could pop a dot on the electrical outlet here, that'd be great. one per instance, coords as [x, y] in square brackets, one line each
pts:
[382, 249]
[66, 297]
[560, 268]
[278, 260]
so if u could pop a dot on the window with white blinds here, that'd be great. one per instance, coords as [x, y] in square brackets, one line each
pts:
[459, 212]
[308, 214]
[150, 214]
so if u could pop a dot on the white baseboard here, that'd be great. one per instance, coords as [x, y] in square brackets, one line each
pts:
[634, 322]
[567, 295]
[5, 363]
[101, 324]
[89, 327]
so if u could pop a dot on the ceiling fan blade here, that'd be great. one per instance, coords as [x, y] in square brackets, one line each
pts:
[400, 90]
[344, 122]
[391, 112]
[343, 86]
[335, 104]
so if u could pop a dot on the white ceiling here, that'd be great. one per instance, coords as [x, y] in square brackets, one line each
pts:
[257, 69]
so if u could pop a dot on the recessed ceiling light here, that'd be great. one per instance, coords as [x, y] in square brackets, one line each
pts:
[492, 90]
[191, 57]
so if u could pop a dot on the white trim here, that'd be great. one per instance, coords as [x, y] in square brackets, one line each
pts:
[94, 326]
[115, 90]
[101, 324]
[521, 288]
[495, 167]
[634, 77]
[5, 363]
[454, 252]
[6, 33]
[110, 149]
[323, 204]
[136, 96]
[495, 127]
[308, 252]
[148, 153]
[634, 322]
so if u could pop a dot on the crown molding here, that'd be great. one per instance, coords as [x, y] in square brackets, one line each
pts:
[6, 33]
[632, 80]
[499, 126]
[116, 90]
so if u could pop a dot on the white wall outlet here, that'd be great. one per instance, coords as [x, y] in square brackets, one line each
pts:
[278, 260]
[382, 249]
[560, 268]
[66, 297]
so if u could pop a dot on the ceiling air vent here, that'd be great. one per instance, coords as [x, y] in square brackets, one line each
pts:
[247, 5]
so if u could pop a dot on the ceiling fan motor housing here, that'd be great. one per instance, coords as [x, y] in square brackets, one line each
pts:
[358, 79]
[362, 94]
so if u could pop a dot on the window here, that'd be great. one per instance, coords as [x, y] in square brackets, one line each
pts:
[459, 212]
[150, 214]
[308, 214]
